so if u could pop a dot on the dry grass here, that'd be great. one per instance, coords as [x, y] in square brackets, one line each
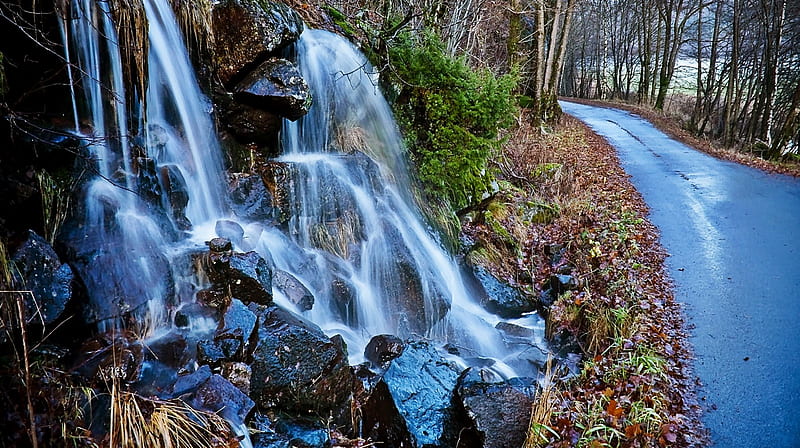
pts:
[55, 204]
[131, 24]
[544, 407]
[137, 421]
[337, 236]
[195, 19]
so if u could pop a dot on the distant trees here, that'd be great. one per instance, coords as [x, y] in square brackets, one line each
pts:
[527, 37]
[729, 68]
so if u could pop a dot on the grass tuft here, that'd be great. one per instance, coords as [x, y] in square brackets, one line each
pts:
[137, 421]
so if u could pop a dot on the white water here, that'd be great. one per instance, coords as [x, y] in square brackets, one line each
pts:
[354, 238]
[351, 173]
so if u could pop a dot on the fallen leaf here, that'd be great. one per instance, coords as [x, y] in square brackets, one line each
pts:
[613, 409]
[632, 431]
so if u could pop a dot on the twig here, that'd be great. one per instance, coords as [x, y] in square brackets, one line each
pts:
[32, 429]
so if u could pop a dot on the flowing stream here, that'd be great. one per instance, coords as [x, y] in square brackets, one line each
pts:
[353, 238]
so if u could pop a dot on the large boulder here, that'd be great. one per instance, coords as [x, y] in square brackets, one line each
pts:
[501, 298]
[41, 273]
[422, 386]
[247, 31]
[381, 421]
[275, 86]
[296, 367]
[498, 411]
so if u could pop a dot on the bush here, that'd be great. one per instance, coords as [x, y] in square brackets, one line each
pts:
[451, 117]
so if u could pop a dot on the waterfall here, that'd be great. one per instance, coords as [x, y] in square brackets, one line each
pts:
[354, 237]
[378, 267]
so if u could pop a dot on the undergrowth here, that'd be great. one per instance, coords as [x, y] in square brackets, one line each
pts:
[634, 387]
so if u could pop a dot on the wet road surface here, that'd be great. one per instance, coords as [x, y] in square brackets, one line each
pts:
[733, 235]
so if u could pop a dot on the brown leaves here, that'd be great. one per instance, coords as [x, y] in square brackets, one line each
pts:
[615, 253]
[614, 409]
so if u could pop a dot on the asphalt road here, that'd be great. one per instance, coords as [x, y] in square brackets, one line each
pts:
[733, 235]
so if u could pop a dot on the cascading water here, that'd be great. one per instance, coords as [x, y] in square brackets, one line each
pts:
[354, 238]
[139, 205]
[377, 268]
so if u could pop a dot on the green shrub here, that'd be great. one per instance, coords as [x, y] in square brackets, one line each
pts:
[451, 117]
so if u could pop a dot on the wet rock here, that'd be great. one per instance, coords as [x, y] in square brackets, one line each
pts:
[170, 350]
[381, 421]
[422, 384]
[413, 305]
[295, 366]
[247, 31]
[210, 353]
[233, 336]
[250, 125]
[498, 411]
[561, 283]
[280, 178]
[177, 194]
[383, 348]
[41, 272]
[230, 230]
[249, 197]
[111, 357]
[101, 259]
[218, 395]
[295, 291]
[147, 182]
[247, 276]
[239, 374]
[188, 383]
[343, 298]
[213, 298]
[501, 298]
[515, 330]
[220, 245]
[275, 86]
[238, 321]
[285, 431]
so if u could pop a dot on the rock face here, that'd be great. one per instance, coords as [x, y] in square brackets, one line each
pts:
[45, 276]
[247, 31]
[249, 197]
[421, 384]
[498, 411]
[250, 125]
[296, 367]
[275, 85]
[501, 298]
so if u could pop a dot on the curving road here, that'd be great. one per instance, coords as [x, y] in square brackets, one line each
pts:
[733, 235]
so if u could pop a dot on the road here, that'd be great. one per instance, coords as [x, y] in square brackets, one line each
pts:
[733, 235]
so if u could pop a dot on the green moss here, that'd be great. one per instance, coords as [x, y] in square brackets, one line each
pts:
[340, 20]
[451, 117]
